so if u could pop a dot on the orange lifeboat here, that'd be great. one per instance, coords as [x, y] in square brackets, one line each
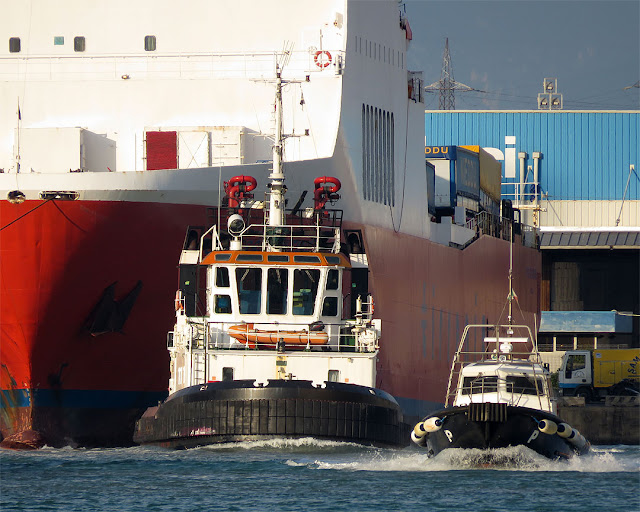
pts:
[246, 333]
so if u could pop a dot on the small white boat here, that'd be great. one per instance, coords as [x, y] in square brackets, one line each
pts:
[499, 395]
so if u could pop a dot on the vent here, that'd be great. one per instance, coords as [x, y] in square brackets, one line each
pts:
[488, 412]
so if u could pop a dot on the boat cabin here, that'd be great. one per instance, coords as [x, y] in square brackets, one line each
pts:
[507, 371]
[264, 300]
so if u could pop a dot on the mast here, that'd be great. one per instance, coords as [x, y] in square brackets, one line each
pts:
[278, 189]
[510, 272]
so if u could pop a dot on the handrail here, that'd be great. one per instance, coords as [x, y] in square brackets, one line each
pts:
[210, 335]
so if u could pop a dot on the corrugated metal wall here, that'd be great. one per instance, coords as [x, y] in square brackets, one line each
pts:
[585, 155]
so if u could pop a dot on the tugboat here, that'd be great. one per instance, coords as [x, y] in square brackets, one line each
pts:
[499, 396]
[272, 355]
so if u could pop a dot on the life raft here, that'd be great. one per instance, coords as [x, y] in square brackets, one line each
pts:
[246, 333]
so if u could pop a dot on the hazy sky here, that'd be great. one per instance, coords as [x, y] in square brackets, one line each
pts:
[507, 48]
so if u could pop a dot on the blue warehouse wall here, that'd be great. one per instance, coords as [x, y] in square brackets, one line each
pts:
[585, 155]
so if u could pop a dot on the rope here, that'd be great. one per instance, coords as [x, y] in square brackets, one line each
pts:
[404, 175]
[25, 214]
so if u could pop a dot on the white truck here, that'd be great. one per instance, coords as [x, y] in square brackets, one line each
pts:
[594, 374]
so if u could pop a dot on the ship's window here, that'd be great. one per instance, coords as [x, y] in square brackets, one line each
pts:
[225, 256]
[306, 259]
[523, 384]
[330, 306]
[79, 43]
[305, 287]
[277, 286]
[249, 257]
[14, 44]
[278, 258]
[479, 385]
[222, 304]
[332, 279]
[333, 260]
[334, 376]
[249, 290]
[227, 374]
[58, 40]
[222, 277]
[149, 43]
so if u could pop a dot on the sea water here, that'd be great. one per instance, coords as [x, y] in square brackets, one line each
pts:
[307, 475]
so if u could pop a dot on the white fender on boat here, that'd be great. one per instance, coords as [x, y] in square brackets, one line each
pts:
[577, 439]
[432, 424]
[564, 430]
[420, 441]
[547, 427]
[419, 430]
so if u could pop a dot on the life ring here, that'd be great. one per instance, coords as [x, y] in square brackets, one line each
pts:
[322, 58]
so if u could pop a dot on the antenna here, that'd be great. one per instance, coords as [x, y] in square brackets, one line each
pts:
[447, 84]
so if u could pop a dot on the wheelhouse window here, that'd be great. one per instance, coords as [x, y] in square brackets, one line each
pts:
[222, 304]
[305, 288]
[249, 282]
[332, 279]
[519, 385]
[14, 44]
[330, 306]
[222, 277]
[79, 43]
[479, 385]
[277, 286]
[149, 43]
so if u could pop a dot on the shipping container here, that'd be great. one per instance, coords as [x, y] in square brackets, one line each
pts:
[431, 188]
[457, 180]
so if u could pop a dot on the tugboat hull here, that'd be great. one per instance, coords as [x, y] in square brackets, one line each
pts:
[221, 412]
[489, 425]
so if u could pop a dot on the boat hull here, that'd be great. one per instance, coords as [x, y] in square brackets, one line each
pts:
[86, 294]
[222, 412]
[490, 426]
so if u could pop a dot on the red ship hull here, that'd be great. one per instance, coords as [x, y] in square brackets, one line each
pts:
[75, 387]
[57, 261]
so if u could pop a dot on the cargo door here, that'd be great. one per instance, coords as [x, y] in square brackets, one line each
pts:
[194, 149]
[162, 150]
[606, 372]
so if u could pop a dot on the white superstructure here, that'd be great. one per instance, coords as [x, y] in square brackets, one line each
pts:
[87, 87]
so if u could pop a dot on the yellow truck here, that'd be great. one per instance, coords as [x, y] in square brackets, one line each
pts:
[594, 374]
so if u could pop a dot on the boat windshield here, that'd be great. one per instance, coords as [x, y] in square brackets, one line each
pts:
[305, 287]
[525, 384]
[478, 385]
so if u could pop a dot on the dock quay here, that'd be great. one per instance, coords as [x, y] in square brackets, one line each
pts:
[616, 421]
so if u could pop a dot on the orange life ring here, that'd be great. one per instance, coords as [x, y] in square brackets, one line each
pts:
[322, 58]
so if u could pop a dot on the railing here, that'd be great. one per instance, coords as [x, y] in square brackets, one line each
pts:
[319, 232]
[500, 227]
[156, 65]
[347, 336]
